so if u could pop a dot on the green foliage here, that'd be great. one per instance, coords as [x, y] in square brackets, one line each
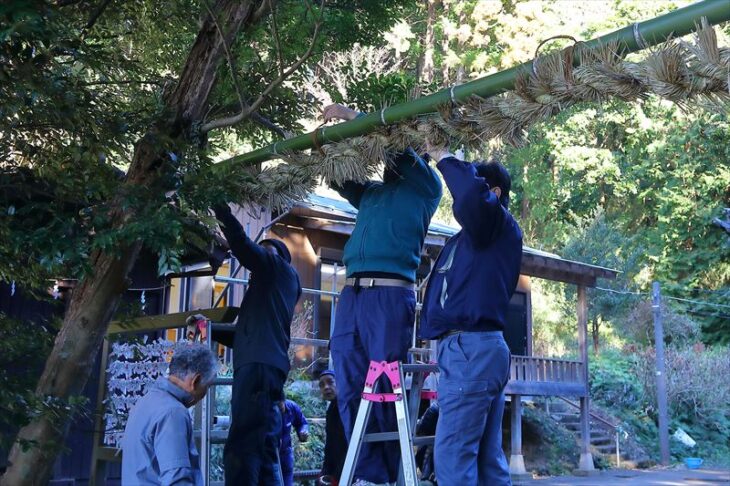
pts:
[634, 188]
[375, 92]
[78, 91]
[24, 347]
[613, 381]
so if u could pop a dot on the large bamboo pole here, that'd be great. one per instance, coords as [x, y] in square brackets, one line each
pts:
[633, 38]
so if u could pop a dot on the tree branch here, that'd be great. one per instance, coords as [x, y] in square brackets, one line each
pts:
[245, 113]
[277, 40]
[97, 13]
[269, 125]
[125, 81]
[262, 12]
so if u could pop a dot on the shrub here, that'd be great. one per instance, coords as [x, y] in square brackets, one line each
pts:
[613, 380]
[696, 378]
[699, 397]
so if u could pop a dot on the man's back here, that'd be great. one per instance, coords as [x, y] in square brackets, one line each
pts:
[263, 329]
[393, 218]
[267, 309]
[158, 447]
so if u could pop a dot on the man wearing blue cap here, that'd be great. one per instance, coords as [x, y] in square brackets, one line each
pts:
[260, 356]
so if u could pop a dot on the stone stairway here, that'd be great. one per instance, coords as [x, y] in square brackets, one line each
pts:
[603, 437]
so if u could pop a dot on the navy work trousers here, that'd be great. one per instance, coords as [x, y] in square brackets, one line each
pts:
[250, 455]
[372, 323]
[474, 369]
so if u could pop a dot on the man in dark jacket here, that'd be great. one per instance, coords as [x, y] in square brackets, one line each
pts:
[376, 310]
[465, 308]
[260, 358]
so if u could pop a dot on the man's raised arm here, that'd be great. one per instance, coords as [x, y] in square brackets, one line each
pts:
[476, 208]
[247, 252]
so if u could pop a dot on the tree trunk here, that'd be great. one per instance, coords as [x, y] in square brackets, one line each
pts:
[426, 66]
[95, 299]
[595, 325]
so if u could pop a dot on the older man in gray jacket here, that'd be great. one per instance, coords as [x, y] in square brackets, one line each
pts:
[158, 447]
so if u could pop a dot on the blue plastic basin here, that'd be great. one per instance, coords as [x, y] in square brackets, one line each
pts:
[693, 462]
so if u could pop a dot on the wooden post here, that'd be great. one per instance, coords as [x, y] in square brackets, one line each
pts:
[516, 460]
[661, 381]
[585, 465]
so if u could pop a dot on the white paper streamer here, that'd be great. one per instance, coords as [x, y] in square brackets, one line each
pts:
[131, 369]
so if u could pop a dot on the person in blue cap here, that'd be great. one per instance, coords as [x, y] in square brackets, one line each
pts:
[292, 416]
[376, 309]
[260, 355]
[465, 308]
[335, 445]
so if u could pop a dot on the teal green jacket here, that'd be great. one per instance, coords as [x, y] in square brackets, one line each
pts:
[393, 218]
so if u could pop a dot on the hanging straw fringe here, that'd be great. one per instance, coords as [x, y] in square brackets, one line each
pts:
[679, 71]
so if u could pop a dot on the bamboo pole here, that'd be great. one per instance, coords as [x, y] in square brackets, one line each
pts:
[632, 38]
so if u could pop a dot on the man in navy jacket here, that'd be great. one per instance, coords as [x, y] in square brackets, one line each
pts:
[465, 308]
[260, 356]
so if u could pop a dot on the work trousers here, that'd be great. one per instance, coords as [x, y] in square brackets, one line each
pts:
[372, 323]
[474, 369]
[286, 458]
[250, 455]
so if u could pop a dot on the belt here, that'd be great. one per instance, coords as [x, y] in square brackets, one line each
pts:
[379, 282]
[456, 331]
[449, 333]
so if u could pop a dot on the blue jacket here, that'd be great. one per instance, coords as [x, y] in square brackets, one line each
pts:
[264, 320]
[292, 416]
[393, 218]
[477, 271]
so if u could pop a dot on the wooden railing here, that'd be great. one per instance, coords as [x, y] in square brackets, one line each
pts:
[535, 368]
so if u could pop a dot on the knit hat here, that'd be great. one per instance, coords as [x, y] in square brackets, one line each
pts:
[280, 248]
[327, 372]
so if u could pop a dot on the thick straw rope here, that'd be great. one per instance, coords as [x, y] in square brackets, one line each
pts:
[682, 72]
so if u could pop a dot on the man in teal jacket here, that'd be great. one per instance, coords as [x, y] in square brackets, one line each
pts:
[376, 310]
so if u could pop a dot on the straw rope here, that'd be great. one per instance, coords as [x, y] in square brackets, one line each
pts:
[685, 73]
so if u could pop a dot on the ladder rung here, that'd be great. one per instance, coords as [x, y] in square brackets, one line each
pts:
[423, 440]
[380, 437]
[390, 436]
[419, 368]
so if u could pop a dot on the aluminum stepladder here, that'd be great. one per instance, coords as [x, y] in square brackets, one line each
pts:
[406, 416]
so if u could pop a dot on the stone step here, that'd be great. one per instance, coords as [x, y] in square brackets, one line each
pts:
[599, 438]
[605, 448]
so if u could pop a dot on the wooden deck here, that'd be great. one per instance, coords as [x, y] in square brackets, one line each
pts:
[534, 375]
